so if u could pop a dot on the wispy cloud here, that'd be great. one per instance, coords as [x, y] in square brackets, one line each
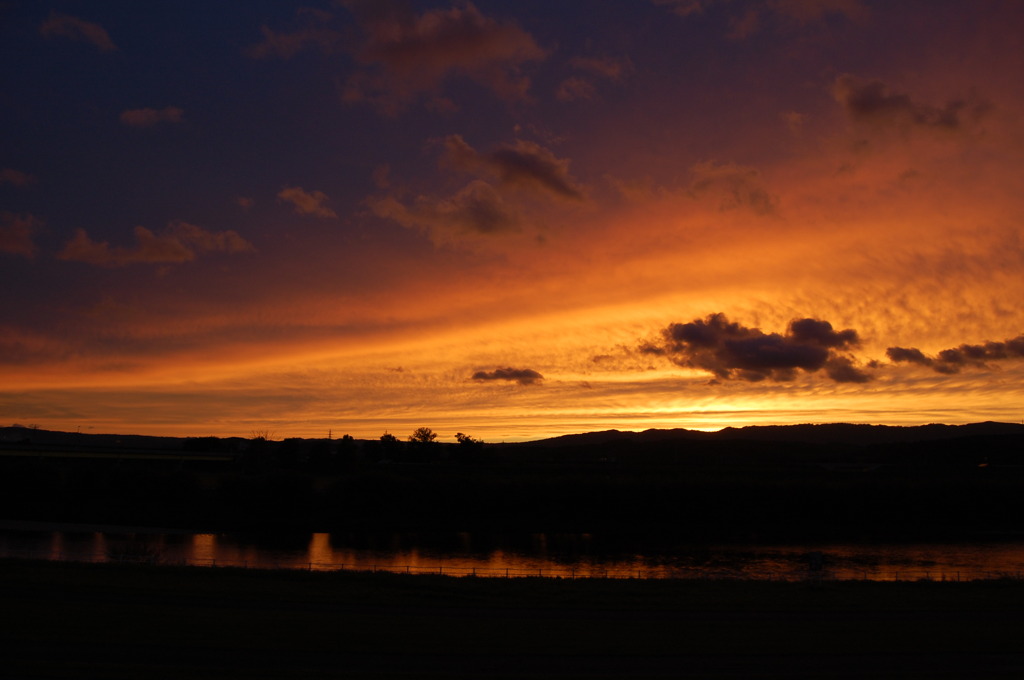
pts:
[522, 164]
[313, 34]
[873, 102]
[734, 186]
[72, 27]
[584, 85]
[149, 117]
[16, 233]
[752, 16]
[179, 242]
[16, 177]
[478, 208]
[304, 202]
[507, 181]
[405, 55]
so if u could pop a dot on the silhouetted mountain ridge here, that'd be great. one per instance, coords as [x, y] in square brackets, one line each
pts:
[831, 433]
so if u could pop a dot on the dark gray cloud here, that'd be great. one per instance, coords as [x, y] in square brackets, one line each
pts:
[956, 358]
[523, 376]
[478, 208]
[821, 333]
[523, 164]
[732, 351]
[910, 355]
[842, 369]
[874, 102]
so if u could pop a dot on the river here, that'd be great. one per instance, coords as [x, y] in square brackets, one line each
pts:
[550, 555]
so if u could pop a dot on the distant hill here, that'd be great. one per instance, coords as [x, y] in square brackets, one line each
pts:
[833, 433]
[49, 439]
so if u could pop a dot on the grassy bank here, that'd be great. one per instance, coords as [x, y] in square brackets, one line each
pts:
[117, 621]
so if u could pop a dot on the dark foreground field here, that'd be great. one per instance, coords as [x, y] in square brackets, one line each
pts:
[64, 620]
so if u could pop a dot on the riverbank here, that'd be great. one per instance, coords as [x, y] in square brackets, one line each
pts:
[122, 621]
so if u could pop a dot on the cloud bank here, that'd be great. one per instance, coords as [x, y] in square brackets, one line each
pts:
[952, 360]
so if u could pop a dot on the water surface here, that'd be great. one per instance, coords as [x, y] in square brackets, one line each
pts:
[564, 555]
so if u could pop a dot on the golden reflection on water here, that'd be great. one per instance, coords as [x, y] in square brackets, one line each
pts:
[533, 555]
[56, 546]
[204, 547]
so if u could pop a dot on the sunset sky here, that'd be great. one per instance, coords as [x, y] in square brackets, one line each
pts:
[513, 219]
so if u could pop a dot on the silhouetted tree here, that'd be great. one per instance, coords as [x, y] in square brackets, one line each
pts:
[390, 446]
[468, 447]
[423, 435]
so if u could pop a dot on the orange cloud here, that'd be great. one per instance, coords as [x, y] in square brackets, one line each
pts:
[307, 202]
[16, 233]
[150, 117]
[407, 55]
[180, 242]
[78, 29]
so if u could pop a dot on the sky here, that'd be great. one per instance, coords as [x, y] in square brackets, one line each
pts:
[510, 219]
